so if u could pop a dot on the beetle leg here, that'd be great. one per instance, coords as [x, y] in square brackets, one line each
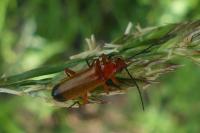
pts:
[104, 59]
[114, 80]
[106, 88]
[85, 98]
[98, 100]
[111, 83]
[88, 63]
[73, 104]
[69, 72]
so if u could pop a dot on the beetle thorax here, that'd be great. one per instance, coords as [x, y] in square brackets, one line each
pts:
[109, 69]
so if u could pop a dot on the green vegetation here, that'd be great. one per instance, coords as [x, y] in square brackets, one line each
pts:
[42, 35]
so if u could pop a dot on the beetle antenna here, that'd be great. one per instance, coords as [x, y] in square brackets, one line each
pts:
[87, 62]
[140, 94]
[141, 52]
[154, 42]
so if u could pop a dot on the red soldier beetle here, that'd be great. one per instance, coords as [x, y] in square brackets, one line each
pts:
[99, 72]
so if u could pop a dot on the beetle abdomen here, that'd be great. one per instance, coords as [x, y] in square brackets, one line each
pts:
[76, 86]
[57, 95]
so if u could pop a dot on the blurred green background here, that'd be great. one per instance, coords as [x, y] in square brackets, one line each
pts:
[36, 32]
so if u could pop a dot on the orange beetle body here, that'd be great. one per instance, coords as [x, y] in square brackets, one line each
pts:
[79, 84]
